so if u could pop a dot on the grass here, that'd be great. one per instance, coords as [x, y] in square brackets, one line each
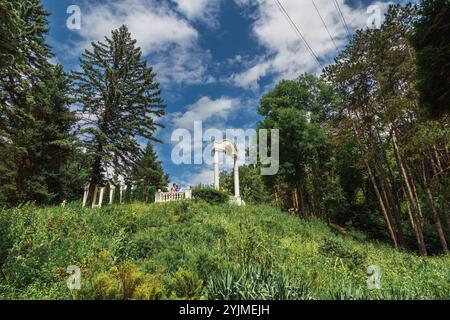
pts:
[195, 250]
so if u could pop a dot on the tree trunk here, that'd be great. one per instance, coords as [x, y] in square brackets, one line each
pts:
[416, 227]
[444, 191]
[378, 195]
[300, 194]
[386, 215]
[392, 207]
[411, 194]
[437, 220]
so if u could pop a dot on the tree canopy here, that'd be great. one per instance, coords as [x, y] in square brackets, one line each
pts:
[119, 102]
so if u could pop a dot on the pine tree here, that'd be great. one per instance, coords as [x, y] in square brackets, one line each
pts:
[52, 136]
[119, 100]
[148, 172]
[23, 52]
[8, 26]
[431, 41]
[35, 120]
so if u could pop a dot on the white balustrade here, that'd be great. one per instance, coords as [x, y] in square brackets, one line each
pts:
[173, 196]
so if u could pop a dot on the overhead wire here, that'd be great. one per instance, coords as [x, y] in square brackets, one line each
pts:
[298, 31]
[341, 15]
[325, 25]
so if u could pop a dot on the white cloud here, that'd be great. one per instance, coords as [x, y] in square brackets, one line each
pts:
[154, 26]
[205, 109]
[250, 77]
[167, 38]
[202, 10]
[286, 55]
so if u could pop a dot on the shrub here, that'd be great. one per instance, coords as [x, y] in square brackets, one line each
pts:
[257, 283]
[186, 285]
[210, 195]
[354, 258]
[193, 250]
[125, 282]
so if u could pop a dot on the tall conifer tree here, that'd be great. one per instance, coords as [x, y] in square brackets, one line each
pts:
[35, 120]
[432, 44]
[119, 101]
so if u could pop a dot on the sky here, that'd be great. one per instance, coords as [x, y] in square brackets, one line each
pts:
[214, 59]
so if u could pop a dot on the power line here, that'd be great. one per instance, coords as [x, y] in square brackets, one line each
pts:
[325, 25]
[297, 30]
[338, 8]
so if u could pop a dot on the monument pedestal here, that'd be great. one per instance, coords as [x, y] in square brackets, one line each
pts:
[237, 201]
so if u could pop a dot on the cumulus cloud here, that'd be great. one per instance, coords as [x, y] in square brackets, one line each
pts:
[202, 10]
[206, 110]
[168, 38]
[286, 55]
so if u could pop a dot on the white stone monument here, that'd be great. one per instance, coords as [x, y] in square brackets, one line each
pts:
[228, 148]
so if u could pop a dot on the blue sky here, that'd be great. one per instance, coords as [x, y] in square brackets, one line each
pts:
[213, 58]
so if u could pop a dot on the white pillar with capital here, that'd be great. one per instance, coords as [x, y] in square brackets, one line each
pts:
[216, 170]
[237, 193]
[229, 148]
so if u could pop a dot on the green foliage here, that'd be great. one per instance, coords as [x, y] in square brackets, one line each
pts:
[257, 283]
[299, 108]
[149, 174]
[337, 249]
[210, 195]
[430, 40]
[186, 285]
[127, 108]
[194, 250]
[385, 144]
[251, 183]
[35, 120]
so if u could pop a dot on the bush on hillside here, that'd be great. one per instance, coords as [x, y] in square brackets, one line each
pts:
[257, 283]
[210, 195]
[194, 250]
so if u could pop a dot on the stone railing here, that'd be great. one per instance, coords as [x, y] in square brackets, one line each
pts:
[173, 196]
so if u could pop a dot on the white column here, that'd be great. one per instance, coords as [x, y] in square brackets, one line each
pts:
[96, 194]
[188, 193]
[100, 200]
[123, 188]
[85, 196]
[216, 170]
[112, 190]
[237, 193]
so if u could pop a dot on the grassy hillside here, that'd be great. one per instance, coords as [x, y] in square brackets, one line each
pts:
[194, 250]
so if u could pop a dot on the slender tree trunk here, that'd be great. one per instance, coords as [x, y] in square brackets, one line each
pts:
[294, 200]
[437, 220]
[416, 227]
[302, 200]
[444, 190]
[378, 195]
[393, 196]
[411, 194]
[392, 207]
[382, 206]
